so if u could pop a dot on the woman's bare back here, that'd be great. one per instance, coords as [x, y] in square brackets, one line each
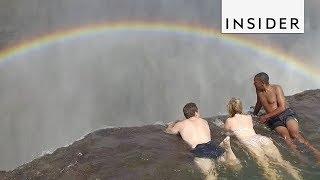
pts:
[241, 126]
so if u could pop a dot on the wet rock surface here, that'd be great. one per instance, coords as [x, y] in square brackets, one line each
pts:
[148, 153]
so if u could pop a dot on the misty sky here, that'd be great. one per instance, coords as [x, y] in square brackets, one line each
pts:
[52, 96]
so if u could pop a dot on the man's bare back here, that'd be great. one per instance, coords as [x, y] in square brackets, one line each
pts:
[194, 131]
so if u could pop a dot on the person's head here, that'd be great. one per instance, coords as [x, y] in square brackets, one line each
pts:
[261, 80]
[190, 110]
[235, 107]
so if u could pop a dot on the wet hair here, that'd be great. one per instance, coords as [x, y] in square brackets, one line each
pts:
[189, 110]
[235, 107]
[263, 77]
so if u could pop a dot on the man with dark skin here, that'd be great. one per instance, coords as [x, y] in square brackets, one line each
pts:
[279, 116]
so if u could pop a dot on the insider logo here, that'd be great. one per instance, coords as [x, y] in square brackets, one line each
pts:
[262, 16]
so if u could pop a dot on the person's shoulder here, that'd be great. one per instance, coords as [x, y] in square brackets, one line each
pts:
[203, 119]
[228, 123]
[180, 124]
[200, 120]
[181, 121]
[276, 87]
[229, 119]
[247, 115]
[177, 122]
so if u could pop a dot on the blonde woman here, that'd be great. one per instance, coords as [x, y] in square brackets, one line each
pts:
[260, 147]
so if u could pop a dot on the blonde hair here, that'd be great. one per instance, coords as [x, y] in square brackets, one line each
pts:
[235, 107]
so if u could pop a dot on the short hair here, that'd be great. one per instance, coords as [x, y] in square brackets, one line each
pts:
[189, 110]
[263, 77]
[235, 107]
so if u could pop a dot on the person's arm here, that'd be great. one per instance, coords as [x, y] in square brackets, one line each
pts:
[281, 101]
[227, 128]
[258, 106]
[174, 128]
[226, 125]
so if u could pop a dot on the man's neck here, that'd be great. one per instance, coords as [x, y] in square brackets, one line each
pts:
[267, 88]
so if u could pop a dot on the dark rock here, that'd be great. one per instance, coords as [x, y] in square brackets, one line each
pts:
[146, 152]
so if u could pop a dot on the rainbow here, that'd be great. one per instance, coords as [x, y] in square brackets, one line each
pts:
[180, 28]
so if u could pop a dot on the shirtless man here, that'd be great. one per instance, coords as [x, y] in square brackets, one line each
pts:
[280, 116]
[195, 131]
